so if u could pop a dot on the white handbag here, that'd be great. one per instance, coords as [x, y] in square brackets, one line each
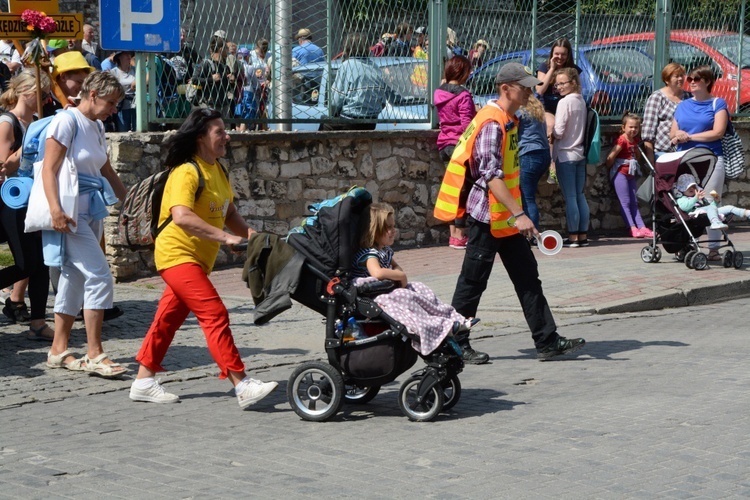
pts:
[38, 215]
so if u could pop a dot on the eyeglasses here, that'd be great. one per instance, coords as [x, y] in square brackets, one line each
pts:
[561, 84]
[692, 79]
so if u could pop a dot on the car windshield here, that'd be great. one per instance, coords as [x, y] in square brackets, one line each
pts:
[620, 65]
[729, 47]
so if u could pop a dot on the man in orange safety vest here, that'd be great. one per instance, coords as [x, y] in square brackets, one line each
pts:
[497, 223]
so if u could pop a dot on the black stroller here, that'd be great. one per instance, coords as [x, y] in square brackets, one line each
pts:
[356, 369]
[675, 230]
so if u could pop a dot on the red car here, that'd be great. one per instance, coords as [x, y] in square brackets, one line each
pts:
[692, 48]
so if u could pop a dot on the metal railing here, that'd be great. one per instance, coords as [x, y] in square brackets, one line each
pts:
[621, 53]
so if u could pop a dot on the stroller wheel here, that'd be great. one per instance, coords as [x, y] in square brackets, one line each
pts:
[680, 255]
[420, 409]
[699, 262]
[451, 392]
[657, 254]
[728, 259]
[739, 259]
[689, 258]
[316, 391]
[354, 394]
[648, 254]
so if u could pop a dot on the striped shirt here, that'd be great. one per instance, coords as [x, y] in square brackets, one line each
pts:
[359, 266]
[486, 164]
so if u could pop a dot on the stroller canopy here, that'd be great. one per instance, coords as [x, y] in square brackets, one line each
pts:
[329, 238]
[699, 162]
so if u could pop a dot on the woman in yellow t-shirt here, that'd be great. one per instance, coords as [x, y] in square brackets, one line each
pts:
[185, 254]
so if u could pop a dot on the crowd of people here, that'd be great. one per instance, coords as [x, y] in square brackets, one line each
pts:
[497, 155]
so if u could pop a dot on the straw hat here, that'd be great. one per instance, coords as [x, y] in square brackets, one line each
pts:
[70, 61]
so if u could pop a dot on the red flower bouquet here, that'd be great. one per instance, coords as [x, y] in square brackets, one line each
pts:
[40, 25]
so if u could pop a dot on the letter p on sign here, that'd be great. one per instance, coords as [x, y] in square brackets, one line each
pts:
[128, 18]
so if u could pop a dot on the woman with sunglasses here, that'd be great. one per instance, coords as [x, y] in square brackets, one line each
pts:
[702, 121]
[570, 126]
[658, 113]
[28, 268]
[185, 253]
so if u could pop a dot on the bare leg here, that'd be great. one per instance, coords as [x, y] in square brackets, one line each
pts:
[19, 290]
[94, 319]
[63, 325]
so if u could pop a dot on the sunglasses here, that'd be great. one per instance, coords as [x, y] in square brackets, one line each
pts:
[692, 79]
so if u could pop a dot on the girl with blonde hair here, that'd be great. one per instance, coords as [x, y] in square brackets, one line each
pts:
[413, 304]
[28, 267]
[533, 152]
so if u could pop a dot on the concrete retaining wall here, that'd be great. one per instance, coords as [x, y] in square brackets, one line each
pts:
[275, 175]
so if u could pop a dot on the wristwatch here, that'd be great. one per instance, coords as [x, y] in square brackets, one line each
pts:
[515, 216]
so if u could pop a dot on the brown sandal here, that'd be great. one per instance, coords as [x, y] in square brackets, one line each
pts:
[714, 256]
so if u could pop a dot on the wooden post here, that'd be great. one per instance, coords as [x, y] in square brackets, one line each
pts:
[39, 109]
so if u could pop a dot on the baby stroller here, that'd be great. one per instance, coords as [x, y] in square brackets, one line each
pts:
[675, 230]
[357, 368]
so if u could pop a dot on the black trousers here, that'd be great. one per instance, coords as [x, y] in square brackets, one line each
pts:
[522, 269]
[29, 260]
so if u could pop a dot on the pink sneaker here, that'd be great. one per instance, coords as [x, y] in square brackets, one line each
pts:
[458, 243]
[635, 232]
[646, 232]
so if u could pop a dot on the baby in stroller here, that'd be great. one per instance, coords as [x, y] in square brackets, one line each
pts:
[414, 304]
[692, 199]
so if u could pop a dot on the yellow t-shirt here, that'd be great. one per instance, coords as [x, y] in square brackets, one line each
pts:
[174, 246]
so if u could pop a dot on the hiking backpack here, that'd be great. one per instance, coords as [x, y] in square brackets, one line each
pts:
[138, 223]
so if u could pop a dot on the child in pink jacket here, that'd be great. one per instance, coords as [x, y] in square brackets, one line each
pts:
[455, 107]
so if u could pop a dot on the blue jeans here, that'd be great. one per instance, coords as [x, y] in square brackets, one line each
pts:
[533, 166]
[572, 178]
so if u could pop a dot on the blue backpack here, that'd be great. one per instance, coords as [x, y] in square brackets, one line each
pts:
[34, 140]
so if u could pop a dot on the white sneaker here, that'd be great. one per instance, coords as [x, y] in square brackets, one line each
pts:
[718, 225]
[254, 391]
[154, 393]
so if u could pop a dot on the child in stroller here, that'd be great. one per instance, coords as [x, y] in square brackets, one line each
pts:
[413, 304]
[692, 199]
[357, 365]
[677, 232]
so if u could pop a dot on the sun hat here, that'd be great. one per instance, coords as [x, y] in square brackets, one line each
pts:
[56, 44]
[304, 33]
[685, 181]
[516, 72]
[70, 61]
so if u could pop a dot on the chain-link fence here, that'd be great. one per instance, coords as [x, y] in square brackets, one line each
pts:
[376, 63]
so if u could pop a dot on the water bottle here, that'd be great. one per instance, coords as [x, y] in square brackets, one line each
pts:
[356, 329]
[26, 168]
[339, 328]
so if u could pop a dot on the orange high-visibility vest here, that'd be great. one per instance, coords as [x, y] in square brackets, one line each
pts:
[447, 207]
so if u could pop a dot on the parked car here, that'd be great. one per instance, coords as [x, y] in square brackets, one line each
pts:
[614, 79]
[406, 78]
[693, 48]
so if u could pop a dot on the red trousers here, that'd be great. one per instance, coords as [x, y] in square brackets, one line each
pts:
[190, 290]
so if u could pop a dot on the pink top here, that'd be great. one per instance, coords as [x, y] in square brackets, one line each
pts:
[570, 126]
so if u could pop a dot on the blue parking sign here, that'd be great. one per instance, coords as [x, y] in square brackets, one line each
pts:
[140, 25]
